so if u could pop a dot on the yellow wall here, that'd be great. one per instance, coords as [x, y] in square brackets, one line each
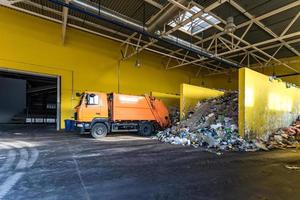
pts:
[168, 99]
[191, 94]
[32, 44]
[268, 105]
[221, 81]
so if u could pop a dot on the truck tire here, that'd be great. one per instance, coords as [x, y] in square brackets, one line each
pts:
[99, 130]
[146, 129]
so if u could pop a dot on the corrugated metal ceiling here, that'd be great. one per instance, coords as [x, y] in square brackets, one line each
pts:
[136, 9]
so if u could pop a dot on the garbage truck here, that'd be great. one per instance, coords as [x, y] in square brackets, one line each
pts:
[100, 113]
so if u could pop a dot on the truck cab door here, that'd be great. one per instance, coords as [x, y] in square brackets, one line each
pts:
[94, 105]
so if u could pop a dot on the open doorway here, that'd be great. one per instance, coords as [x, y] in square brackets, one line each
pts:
[30, 99]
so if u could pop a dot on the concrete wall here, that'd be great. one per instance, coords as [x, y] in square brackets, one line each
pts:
[12, 98]
[265, 105]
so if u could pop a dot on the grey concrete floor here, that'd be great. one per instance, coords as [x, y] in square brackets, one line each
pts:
[38, 163]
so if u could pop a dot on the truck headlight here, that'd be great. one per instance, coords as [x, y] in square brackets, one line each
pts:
[79, 125]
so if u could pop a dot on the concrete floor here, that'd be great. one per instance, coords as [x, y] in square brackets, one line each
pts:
[44, 164]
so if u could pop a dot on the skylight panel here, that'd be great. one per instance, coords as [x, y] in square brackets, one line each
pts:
[197, 25]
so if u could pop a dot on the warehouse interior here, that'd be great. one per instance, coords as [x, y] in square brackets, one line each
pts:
[28, 99]
[96, 88]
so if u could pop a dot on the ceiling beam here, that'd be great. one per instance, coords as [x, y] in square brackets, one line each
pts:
[239, 39]
[155, 4]
[250, 46]
[184, 22]
[65, 20]
[200, 40]
[261, 17]
[262, 26]
[295, 34]
[10, 2]
[290, 24]
[265, 48]
[245, 51]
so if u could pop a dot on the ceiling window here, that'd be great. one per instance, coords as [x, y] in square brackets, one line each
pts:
[197, 25]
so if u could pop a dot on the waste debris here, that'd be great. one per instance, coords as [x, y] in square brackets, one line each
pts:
[283, 138]
[174, 115]
[212, 125]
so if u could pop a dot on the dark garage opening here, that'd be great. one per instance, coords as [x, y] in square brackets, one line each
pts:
[28, 99]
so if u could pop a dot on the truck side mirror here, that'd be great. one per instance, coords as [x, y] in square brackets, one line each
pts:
[87, 98]
[78, 94]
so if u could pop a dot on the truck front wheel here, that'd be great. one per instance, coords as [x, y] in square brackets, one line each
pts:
[99, 130]
[146, 129]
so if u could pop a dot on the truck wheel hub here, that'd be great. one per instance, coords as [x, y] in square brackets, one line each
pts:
[99, 131]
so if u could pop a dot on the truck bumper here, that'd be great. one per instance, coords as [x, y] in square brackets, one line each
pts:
[83, 127]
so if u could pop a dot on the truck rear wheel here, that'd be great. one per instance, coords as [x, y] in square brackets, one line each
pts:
[146, 129]
[99, 130]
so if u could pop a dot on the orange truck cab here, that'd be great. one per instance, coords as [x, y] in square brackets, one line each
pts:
[100, 113]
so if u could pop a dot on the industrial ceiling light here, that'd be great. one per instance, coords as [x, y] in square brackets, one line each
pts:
[230, 26]
[137, 63]
[271, 78]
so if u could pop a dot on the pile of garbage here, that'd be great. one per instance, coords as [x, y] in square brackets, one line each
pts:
[288, 137]
[212, 125]
[174, 114]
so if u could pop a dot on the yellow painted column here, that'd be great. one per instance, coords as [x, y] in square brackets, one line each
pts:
[241, 120]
